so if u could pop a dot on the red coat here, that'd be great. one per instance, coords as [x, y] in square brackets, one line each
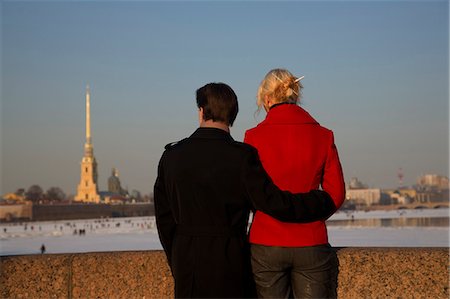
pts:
[299, 155]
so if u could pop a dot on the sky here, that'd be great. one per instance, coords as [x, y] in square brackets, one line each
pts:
[376, 73]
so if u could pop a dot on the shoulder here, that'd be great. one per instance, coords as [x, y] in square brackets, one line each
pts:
[255, 132]
[324, 134]
[170, 151]
[326, 131]
[252, 131]
[329, 133]
[244, 147]
[174, 144]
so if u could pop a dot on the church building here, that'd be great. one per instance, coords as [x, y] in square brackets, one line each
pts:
[88, 188]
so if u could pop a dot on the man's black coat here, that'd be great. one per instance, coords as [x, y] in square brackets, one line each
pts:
[207, 185]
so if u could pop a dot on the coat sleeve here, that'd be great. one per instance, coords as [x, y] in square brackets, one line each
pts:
[165, 221]
[333, 178]
[283, 205]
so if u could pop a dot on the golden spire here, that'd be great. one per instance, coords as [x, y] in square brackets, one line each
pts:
[88, 115]
[88, 148]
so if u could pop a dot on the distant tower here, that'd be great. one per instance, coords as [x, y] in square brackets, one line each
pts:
[114, 182]
[400, 177]
[88, 188]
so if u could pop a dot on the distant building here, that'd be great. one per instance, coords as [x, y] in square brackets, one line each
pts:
[359, 195]
[402, 196]
[408, 192]
[115, 194]
[432, 188]
[433, 181]
[88, 188]
[114, 185]
[364, 197]
[424, 196]
[14, 198]
[398, 196]
[356, 184]
[113, 198]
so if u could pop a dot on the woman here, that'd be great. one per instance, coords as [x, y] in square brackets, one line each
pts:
[299, 155]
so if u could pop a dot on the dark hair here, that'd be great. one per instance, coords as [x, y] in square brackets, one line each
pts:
[219, 102]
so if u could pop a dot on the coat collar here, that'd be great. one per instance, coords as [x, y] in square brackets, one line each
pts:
[287, 113]
[211, 133]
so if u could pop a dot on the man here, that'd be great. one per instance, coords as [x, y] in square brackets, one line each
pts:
[206, 186]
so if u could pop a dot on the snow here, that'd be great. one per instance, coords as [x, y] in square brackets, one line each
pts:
[388, 237]
[379, 214]
[139, 233]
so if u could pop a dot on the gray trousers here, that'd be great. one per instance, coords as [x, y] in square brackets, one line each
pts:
[301, 272]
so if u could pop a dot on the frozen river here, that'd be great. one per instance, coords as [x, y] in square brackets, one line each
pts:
[406, 228]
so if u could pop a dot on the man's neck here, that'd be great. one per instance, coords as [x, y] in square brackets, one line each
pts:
[215, 124]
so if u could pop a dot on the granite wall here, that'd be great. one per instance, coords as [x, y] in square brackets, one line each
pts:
[363, 273]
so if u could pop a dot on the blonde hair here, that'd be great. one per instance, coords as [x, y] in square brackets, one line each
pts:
[280, 86]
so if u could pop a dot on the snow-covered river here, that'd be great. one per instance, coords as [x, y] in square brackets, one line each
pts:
[406, 228]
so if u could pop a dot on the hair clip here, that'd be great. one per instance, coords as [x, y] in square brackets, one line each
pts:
[277, 78]
[298, 79]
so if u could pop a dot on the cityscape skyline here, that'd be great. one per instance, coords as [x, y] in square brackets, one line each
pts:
[373, 74]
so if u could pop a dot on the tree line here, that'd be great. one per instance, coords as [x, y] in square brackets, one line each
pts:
[36, 194]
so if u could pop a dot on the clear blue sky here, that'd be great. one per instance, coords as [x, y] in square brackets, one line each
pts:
[376, 73]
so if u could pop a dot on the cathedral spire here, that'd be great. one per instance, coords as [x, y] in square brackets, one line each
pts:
[88, 148]
[88, 188]
[88, 115]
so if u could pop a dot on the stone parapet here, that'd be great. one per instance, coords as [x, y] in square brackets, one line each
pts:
[363, 273]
